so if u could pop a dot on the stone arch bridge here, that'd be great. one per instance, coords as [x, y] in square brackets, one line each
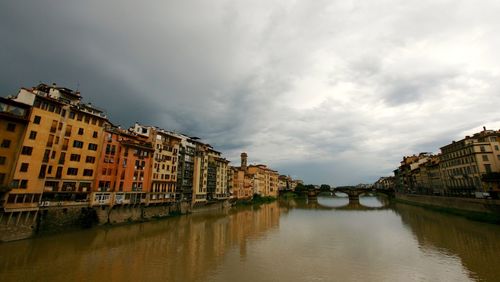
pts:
[352, 192]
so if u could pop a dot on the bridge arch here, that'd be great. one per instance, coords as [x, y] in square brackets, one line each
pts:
[354, 193]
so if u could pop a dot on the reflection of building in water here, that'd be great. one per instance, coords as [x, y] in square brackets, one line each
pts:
[476, 244]
[187, 248]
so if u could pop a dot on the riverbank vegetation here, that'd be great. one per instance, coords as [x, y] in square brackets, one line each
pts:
[256, 200]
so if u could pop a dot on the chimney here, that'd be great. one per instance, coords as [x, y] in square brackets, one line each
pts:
[244, 161]
[484, 128]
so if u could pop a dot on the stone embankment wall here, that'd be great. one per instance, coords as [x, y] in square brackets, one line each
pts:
[16, 226]
[486, 206]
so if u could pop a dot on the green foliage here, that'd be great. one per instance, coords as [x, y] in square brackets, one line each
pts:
[258, 199]
[300, 188]
[310, 187]
[289, 195]
[325, 187]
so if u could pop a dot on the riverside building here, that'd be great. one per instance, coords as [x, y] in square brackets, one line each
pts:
[59, 155]
[124, 169]
[164, 172]
[61, 145]
[472, 164]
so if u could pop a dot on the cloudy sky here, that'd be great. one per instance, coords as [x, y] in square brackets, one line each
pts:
[328, 91]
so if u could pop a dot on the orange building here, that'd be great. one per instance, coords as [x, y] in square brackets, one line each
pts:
[14, 118]
[124, 168]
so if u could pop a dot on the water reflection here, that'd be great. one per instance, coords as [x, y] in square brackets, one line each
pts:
[476, 244]
[368, 202]
[294, 240]
[181, 249]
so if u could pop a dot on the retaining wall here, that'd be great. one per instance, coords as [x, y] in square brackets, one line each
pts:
[486, 206]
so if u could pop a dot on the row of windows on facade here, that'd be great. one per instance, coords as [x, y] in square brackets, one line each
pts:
[166, 148]
[157, 176]
[44, 170]
[467, 151]
[58, 126]
[87, 118]
[28, 150]
[106, 185]
[466, 160]
[163, 158]
[157, 166]
[467, 170]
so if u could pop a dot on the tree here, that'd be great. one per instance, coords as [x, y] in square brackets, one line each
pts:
[300, 188]
[325, 187]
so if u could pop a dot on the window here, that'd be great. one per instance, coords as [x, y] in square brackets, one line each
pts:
[68, 131]
[33, 135]
[72, 171]
[23, 184]
[53, 127]
[92, 147]
[77, 144]
[487, 167]
[485, 157]
[2, 160]
[74, 158]
[94, 134]
[496, 147]
[24, 167]
[43, 169]
[26, 150]
[80, 131]
[62, 157]
[11, 127]
[5, 143]
[59, 172]
[72, 115]
[14, 183]
[50, 141]
[90, 159]
[2, 178]
[37, 120]
[46, 155]
[88, 172]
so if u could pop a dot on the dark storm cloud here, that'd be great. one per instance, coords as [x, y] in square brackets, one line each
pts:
[329, 91]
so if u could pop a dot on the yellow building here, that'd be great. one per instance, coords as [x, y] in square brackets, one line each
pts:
[200, 172]
[265, 180]
[253, 179]
[222, 188]
[61, 145]
[471, 164]
[164, 171]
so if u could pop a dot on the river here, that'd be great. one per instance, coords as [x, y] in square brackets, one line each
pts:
[293, 240]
